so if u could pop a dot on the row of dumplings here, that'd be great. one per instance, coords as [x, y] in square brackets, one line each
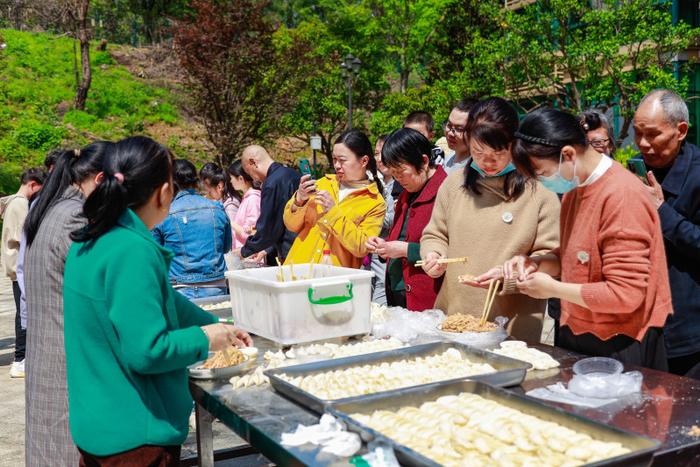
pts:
[470, 430]
[369, 379]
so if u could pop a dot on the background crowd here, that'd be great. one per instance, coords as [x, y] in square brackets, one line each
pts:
[106, 244]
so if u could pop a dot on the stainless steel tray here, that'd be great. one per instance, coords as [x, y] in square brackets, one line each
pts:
[642, 448]
[509, 372]
[218, 373]
[224, 300]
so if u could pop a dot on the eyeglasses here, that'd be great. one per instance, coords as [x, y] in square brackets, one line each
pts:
[457, 130]
[599, 143]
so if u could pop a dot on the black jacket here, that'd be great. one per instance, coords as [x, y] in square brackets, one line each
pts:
[277, 189]
[680, 222]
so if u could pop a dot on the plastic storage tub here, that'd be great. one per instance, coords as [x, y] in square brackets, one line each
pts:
[334, 302]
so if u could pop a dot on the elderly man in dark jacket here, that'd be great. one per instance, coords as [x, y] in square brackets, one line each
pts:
[661, 126]
[278, 185]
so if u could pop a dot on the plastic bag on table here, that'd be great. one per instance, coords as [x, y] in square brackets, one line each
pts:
[607, 386]
[481, 340]
[409, 326]
[380, 454]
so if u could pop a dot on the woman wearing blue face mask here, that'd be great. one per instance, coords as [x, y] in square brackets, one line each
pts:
[489, 212]
[613, 285]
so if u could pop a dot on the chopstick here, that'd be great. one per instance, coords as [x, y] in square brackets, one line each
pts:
[280, 271]
[462, 259]
[490, 297]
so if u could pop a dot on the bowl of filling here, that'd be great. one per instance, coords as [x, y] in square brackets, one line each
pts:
[467, 329]
[225, 363]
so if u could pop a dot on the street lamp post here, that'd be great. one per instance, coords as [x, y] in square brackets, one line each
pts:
[350, 68]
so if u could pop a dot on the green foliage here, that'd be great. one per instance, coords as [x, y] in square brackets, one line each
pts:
[9, 178]
[622, 155]
[36, 94]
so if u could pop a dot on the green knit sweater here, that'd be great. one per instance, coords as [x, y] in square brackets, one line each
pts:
[129, 338]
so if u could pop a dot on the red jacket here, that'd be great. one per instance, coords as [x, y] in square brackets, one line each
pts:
[421, 289]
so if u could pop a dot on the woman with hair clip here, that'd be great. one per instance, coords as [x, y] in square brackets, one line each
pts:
[599, 134]
[613, 286]
[129, 336]
[243, 222]
[489, 212]
[56, 213]
[407, 154]
[340, 212]
[217, 187]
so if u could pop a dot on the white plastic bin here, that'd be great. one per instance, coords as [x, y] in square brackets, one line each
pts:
[335, 302]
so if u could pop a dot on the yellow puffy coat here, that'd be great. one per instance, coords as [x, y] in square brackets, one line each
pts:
[343, 230]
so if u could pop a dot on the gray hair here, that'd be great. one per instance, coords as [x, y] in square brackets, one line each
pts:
[675, 108]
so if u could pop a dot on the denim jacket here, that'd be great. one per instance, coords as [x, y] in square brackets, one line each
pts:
[198, 232]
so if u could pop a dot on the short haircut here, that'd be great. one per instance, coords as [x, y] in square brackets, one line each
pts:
[465, 104]
[420, 117]
[35, 174]
[675, 108]
[407, 146]
[184, 174]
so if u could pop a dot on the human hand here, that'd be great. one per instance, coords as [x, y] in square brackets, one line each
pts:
[655, 191]
[484, 279]
[325, 200]
[432, 267]
[237, 252]
[519, 267]
[538, 285]
[259, 257]
[373, 243]
[307, 187]
[222, 336]
[393, 249]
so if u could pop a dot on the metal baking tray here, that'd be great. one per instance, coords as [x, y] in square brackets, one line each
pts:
[642, 448]
[224, 300]
[218, 373]
[509, 372]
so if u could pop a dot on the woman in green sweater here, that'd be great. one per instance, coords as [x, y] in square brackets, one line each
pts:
[128, 336]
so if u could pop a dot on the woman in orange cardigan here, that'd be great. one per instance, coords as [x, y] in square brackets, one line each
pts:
[338, 212]
[614, 288]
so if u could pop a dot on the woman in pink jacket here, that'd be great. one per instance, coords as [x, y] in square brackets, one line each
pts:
[243, 223]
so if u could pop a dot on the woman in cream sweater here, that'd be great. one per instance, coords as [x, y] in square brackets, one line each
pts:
[489, 213]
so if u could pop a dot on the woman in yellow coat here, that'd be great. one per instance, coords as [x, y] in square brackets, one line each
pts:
[338, 212]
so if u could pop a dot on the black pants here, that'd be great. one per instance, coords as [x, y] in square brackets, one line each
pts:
[20, 334]
[687, 365]
[649, 353]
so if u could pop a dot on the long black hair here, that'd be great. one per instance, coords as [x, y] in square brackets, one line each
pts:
[214, 174]
[359, 144]
[70, 167]
[138, 167]
[407, 146]
[493, 122]
[236, 170]
[542, 135]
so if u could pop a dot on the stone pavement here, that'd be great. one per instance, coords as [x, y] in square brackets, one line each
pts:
[12, 401]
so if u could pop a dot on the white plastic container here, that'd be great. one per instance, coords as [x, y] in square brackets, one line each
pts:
[334, 302]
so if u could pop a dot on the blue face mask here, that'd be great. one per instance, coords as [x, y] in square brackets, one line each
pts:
[507, 169]
[557, 183]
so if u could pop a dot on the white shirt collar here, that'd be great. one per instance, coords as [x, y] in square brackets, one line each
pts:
[602, 167]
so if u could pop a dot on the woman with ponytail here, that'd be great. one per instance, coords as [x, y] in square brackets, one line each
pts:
[55, 214]
[339, 212]
[129, 336]
[610, 271]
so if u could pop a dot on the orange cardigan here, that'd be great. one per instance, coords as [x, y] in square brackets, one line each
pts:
[611, 242]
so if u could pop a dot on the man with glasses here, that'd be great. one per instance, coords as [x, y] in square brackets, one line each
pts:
[456, 139]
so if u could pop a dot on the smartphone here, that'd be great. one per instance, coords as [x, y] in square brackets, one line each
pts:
[637, 166]
[305, 167]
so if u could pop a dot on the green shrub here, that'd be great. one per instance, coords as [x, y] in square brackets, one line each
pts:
[623, 154]
[36, 135]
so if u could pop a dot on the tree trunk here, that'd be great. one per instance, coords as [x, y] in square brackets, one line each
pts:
[84, 38]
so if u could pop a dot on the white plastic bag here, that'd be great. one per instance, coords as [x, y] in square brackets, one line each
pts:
[608, 386]
[409, 326]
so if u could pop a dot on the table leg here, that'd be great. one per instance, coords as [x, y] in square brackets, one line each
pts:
[205, 437]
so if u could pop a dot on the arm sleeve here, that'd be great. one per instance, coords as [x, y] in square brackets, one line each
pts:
[269, 228]
[148, 342]
[680, 231]
[625, 240]
[294, 218]
[228, 235]
[189, 314]
[435, 235]
[413, 254]
[158, 234]
[547, 238]
[353, 236]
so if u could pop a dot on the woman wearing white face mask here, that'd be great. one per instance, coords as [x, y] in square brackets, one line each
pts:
[614, 281]
[490, 212]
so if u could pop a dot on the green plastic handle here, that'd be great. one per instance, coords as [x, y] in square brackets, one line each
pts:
[334, 300]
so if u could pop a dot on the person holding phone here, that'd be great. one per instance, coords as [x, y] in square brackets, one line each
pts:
[338, 212]
[613, 283]
[660, 132]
